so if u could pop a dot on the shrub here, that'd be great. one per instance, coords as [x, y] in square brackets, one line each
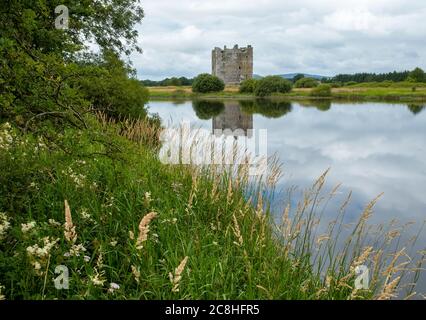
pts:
[205, 83]
[272, 84]
[323, 90]
[350, 83]
[336, 84]
[306, 83]
[248, 86]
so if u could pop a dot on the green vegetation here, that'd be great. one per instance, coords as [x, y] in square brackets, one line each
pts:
[272, 84]
[306, 83]
[206, 83]
[417, 75]
[82, 186]
[248, 86]
[174, 81]
[323, 90]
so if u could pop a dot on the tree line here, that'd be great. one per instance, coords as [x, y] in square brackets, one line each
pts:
[167, 82]
[417, 75]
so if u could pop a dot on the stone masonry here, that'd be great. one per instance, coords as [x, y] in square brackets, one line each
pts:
[233, 65]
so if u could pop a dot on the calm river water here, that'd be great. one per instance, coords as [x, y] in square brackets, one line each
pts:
[371, 148]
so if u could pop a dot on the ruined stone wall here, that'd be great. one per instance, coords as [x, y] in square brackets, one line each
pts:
[233, 65]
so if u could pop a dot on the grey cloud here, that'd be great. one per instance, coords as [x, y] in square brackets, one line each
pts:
[311, 36]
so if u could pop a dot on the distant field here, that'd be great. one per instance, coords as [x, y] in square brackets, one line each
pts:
[364, 91]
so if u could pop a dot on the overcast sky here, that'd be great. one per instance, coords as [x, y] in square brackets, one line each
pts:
[324, 37]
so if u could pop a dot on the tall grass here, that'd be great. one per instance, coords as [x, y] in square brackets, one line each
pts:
[134, 228]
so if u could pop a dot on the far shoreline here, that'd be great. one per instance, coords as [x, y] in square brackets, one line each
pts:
[364, 94]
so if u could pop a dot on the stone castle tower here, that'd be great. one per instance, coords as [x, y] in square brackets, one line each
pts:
[233, 65]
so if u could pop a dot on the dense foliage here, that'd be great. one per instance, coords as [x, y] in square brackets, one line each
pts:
[370, 77]
[272, 84]
[323, 90]
[169, 82]
[248, 86]
[43, 68]
[306, 83]
[205, 83]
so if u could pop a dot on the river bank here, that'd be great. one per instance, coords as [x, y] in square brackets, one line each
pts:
[401, 92]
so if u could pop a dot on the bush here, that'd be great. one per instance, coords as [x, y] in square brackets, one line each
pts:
[323, 90]
[306, 83]
[351, 83]
[336, 84]
[272, 84]
[205, 83]
[248, 86]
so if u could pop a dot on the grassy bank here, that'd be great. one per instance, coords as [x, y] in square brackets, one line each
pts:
[364, 92]
[129, 227]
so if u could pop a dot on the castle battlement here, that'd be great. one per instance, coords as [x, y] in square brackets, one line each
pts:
[233, 65]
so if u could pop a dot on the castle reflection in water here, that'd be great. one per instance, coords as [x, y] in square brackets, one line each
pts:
[233, 119]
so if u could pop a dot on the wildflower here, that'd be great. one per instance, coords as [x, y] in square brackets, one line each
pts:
[54, 223]
[75, 250]
[34, 185]
[85, 215]
[26, 227]
[86, 258]
[69, 232]
[113, 243]
[113, 287]
[4, 224]
[148, 199]
[136, 273]
[2, 297]
[97, 279]
[131, 235]
[144, 229]
[39, 254]
[177, 276]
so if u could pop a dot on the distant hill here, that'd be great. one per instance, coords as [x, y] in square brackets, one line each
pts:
[292, 75]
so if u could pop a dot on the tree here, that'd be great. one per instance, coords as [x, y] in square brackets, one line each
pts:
[41, 66]
[323, 90]
[205, 83]
[272, 84]
[298, 77]
[248, 86]
[417, 75]
[306, 83]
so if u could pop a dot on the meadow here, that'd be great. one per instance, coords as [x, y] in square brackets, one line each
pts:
[127, 226]
[374, 91]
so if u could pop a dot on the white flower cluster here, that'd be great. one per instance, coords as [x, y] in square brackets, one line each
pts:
[26, 227]
[78, 178]
[38, 255]
[113, 287]
[4, 224]
[75, 250]
[40, 145]
[6, 138]
[85, 215]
